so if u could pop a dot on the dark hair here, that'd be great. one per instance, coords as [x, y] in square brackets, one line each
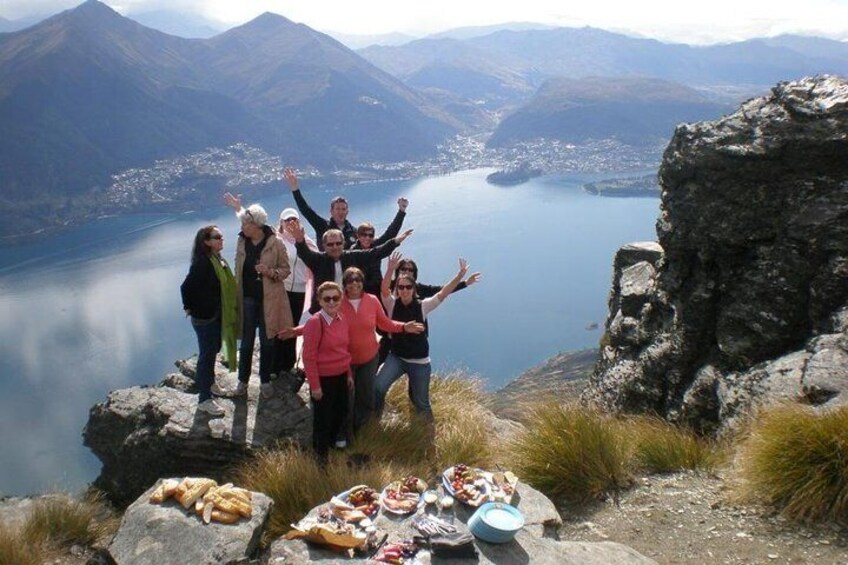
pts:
[411, 280]
[201, 251]
[351, 272]
[337, 200]
[404, 263]
[364, 227]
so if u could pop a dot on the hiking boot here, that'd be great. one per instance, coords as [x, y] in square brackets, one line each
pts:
[211, 407]
[241, 389]
[267, 390]
[218, 391]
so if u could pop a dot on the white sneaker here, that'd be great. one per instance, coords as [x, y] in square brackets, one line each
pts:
[341, 444]
[211, 407]
[267, 390]
[218, 391]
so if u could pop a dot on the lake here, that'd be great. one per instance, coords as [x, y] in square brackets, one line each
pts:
[98, 307]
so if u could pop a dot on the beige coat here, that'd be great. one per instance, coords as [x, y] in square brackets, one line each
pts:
[275, 300]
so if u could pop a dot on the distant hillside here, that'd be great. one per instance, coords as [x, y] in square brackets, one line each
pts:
[634, 111]
[181, 24]
[87, 93]
[519, 61]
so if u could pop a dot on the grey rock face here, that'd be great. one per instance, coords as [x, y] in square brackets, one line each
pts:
[166, 533]
[143, 433]
[535, 543]
[753, 267]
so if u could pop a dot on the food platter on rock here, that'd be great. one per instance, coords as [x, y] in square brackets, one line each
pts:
[359, 499]
[475, 486]
[466, 485]
[403, 496]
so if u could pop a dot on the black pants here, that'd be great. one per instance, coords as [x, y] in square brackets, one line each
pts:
[286, 351]
[328, 414]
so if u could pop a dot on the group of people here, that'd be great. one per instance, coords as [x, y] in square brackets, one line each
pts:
[337, 278]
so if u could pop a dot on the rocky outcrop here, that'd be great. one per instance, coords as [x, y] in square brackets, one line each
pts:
[535, 543]
[744, 298]
[167, 533]
[143, 433]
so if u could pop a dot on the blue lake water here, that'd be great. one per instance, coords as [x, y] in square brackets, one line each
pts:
[98, 307]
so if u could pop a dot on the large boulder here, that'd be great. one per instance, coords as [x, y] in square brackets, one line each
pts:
[143, 433]
[741, 303]
[535, 543]
[153, 534]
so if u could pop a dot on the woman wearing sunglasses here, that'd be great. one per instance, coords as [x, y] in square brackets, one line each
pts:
[410, 353]
[326, 360]
[364, 315]
[409, 267]
[209, 297]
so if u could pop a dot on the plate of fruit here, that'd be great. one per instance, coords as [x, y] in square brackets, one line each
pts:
[403, 496]
[467, 485]
[360, 498]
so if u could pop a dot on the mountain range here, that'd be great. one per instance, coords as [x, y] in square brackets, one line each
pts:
[88, 93]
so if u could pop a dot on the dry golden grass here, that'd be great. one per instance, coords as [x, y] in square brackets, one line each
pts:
[61, 521]
[662, 447]
[572, 454]
[797, 460]
[15, 550]
[291, 478]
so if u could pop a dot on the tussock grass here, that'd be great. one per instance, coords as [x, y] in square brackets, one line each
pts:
[797, 460]
[15, 550]
[291, 477]
[572, 454]
[61, 521]
[661, 447]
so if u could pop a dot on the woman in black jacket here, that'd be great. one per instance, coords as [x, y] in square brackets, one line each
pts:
[410, 268]
[209, 298]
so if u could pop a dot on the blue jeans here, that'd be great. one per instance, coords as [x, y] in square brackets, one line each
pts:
[208, 344]
[419, 384]
[253, 317]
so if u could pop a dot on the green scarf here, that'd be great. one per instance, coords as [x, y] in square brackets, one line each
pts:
[229, 322]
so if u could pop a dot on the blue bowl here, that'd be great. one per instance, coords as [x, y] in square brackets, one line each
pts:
[496, 522]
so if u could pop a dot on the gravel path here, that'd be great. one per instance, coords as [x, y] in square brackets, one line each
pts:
[687, 518]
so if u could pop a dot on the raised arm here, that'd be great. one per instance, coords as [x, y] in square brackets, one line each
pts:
[452, 284]
[318, 223]
[385, 286]
[311, 257]
[233, 201]
[394, 227]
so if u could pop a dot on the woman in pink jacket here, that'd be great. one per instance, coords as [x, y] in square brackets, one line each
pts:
[364, 314]
[326, 360]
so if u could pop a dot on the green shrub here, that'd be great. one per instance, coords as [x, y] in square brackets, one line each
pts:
[572, 454]
[797, 460]
[15, 550]
[62, 521]
[661, 447]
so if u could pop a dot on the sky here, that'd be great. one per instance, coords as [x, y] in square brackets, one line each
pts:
[694, 22]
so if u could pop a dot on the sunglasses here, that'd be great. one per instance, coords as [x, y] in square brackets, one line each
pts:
[287, 220]
[405, 287]
[353, 280]
[216, 237]
[366, 234]
[328, 299]
[333, 244]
